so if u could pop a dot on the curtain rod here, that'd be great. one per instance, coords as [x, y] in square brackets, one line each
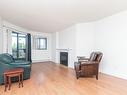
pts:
[14, 29]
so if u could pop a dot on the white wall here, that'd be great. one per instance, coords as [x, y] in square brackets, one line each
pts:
[85, 39]
[42, 55]
[108, 35]
[67, 38]
[67, 41]
[111, 39]
[55, 45]
[37, 55]
[79, 38]
[6, 46]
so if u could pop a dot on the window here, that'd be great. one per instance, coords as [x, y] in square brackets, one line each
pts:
[18, 45]
[42, 43]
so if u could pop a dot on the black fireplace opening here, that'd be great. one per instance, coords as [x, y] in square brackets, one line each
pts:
[64, 58]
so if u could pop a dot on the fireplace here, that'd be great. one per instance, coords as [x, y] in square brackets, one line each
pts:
[64, 58]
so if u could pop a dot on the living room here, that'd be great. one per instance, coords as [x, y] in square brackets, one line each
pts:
[76, 28]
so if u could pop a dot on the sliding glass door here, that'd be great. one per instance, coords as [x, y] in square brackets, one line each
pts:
[18, 45]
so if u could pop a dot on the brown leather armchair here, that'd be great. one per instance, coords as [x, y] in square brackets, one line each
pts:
[88, 66]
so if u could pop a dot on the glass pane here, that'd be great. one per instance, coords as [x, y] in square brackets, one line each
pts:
[18, 45]
[22, 43]
[42, 43]
[22, 53]
[14, 46]
[38, 43]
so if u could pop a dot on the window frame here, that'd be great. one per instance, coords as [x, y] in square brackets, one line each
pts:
[39, 44]
[17, 48]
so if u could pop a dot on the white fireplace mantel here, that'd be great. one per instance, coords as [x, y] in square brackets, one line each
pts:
[69, 50]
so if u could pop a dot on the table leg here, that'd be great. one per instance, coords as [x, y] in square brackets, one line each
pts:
[9, 80]
[5, 82]
[22, 79]
[19, 80]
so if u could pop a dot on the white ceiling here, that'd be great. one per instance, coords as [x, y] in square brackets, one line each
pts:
[55, 15]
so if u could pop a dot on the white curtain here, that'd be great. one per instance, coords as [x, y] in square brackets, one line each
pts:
[35, 40]
[1, 40]
[7, 40]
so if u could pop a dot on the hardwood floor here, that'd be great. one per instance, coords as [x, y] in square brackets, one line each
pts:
[52, 79]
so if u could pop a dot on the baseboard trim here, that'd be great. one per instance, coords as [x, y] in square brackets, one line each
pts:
[115, 76]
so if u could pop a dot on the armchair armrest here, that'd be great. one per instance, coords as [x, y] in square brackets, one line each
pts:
[82, 58]
[89, 63]
[6, 66]
[27, 65]
[21, 63]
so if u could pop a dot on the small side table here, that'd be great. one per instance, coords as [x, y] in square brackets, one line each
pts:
[16, 72]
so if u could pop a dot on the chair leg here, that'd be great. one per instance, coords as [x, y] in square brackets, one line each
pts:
[97, 77]
[77, 75]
